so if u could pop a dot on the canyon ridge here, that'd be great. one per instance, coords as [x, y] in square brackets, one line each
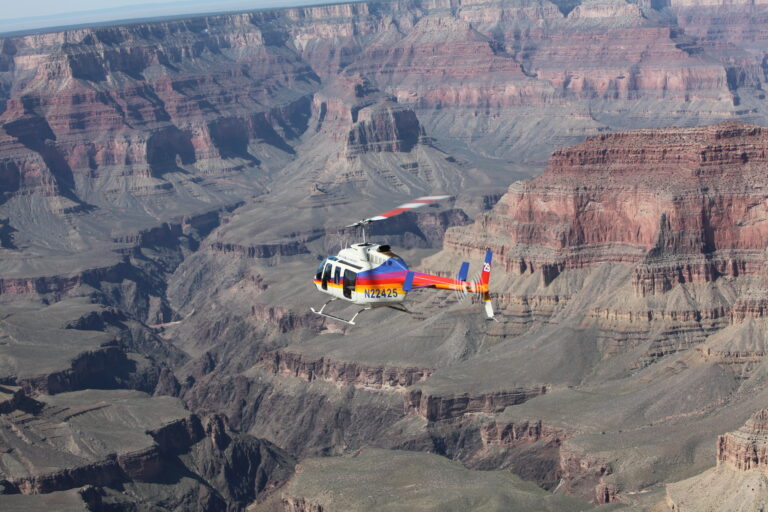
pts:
[167, 188]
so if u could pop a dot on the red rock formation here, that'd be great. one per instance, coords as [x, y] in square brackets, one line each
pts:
[262, 250]
[633, 61]
[515, 434]
[145, 464]
[64, 125]
[296, 365]
[749, 307]
[352, 111]
[385, 126]
[436, 408]
[62, 284]
[746, 448]
[583, 475]
[446, 62]
[87, 369]
[600, 201]
[717, 24]
[285, 319]
[290, 504]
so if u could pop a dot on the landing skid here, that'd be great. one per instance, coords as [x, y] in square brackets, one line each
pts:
[351, 321]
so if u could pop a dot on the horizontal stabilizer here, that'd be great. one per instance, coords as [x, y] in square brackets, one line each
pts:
[408, 284]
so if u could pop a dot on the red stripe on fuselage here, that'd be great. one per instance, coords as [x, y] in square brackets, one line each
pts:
[420, 280]
[378, 278]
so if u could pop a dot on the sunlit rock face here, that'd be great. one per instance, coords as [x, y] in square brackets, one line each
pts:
[745, 449]
[167, 189]
[687, 205]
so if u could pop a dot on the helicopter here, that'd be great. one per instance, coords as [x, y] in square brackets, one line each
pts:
[372, 276]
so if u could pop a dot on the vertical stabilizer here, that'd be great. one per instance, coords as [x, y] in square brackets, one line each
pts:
[485, 279]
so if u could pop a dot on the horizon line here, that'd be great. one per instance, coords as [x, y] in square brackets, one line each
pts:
[129, 19]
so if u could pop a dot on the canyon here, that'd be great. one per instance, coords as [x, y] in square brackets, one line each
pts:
[167, 188]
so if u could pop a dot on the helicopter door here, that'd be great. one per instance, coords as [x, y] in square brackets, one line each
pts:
[349, 283]
[326, 276]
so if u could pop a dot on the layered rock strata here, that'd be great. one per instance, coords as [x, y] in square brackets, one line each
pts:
[115, 133]
[110, 453]
[437, 407]
[366, 479]
[288, 363]
[746, 448]
[600, 201]
[738, 482]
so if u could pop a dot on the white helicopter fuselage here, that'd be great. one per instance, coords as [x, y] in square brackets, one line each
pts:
[365, 274]
[372, 276]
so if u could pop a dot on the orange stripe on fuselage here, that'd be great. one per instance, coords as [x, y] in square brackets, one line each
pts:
[446, 283]
[419, 281]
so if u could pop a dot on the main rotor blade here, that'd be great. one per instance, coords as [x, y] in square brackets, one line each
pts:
[410, 205]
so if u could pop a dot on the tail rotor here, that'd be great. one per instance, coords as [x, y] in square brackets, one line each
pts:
[485, 278]
[479, 284]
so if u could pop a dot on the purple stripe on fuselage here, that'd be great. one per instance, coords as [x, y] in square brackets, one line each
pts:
[374, 276]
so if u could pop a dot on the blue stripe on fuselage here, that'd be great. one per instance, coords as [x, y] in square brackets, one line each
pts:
[393, 268]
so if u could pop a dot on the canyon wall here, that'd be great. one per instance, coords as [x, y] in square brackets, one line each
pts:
[167, 188]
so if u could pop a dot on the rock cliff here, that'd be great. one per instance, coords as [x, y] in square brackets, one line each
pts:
[737, 483]
[167, 188]
[101, 441]
[745, 448]
[648, 198]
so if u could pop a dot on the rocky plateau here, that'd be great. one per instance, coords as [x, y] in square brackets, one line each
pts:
[167, 188]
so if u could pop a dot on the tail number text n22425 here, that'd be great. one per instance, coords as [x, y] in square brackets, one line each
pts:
[377, 293]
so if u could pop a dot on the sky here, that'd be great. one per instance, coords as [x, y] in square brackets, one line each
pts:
[22, 15]
[31, 8]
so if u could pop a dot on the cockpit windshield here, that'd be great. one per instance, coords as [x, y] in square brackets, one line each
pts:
[319, 273]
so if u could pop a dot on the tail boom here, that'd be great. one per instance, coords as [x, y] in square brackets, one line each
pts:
[420, 280]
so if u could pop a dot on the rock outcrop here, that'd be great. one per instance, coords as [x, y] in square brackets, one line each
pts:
[366, 480]
[288, 363]
[738, 482]
[665, 208]
[684, 205]
[436, 407]
[167, 188]
[384, 127]
[746, 448]
[125, 439]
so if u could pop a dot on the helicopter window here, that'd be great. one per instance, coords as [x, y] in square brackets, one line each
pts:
[326, 275]
[319, 273]
[349, 283]
[350, 264]
[337, 275]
